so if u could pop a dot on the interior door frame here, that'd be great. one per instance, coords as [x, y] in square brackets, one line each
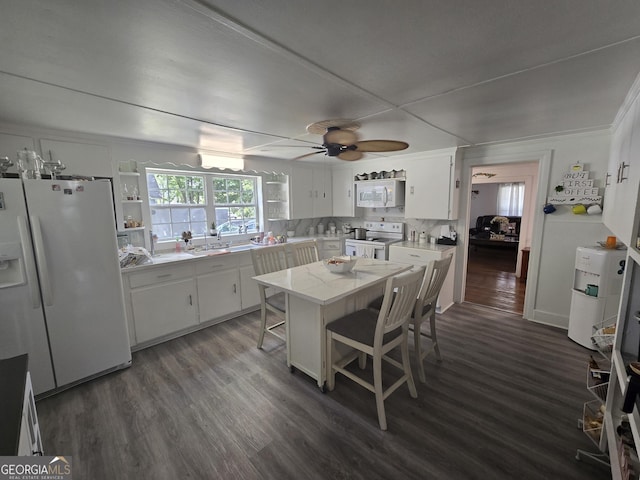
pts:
[483, 157]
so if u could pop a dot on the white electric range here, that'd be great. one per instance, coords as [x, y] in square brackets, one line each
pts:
[378, 237]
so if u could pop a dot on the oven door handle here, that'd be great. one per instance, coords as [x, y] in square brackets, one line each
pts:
[386, 196]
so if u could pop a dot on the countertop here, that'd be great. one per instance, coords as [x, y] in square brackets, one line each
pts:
[423, 246]
[13, 378]
[169, 256]
[314, 282]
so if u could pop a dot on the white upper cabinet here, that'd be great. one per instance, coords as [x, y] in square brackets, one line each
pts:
[343, 192]
[79, 158]
[310, 192]
[432, 187]
[623, 177]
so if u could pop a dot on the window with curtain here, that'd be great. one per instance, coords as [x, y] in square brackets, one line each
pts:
[510, 199]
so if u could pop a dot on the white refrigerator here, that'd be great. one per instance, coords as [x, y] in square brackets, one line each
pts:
[61, 297]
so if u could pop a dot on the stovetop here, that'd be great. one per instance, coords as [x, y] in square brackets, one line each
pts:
[382, 232]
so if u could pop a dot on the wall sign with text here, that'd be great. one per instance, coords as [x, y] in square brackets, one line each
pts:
[575, 188]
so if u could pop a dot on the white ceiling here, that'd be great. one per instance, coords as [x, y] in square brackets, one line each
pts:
[247, 76]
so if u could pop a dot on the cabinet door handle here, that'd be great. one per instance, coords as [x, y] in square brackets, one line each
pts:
[411, 190]
[414, 255]
[166, 275]
[190, 300]
[606, 180]
[622, 167]
[619, 174]
[349, 193]
[234, 289]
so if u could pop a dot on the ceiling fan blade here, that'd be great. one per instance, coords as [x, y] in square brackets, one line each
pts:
[318, 147]
[350, 155]
[320, 128]
[380, 145]
[309, 154]
[341, 137]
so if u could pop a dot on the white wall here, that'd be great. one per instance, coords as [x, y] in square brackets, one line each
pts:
[484, 202]
[557, 235]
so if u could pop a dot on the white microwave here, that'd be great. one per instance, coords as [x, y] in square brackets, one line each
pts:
[380, 193]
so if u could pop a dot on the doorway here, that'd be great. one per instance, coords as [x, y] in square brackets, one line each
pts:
[494, 275]
[492, 280]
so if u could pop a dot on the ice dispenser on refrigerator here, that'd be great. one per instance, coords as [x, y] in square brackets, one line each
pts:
[596, 291]
[11, 265]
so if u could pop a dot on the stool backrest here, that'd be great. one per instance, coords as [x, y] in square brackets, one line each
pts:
[304, 252]
[399, 300]
[269, 259]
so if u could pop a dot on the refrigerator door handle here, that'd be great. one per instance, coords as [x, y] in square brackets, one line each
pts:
[29, 261]
[41, 259]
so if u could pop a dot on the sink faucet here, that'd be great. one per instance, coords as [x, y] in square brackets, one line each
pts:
[206, 241]
[219, 235]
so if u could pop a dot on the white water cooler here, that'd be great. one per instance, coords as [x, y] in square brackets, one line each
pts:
[596, 291]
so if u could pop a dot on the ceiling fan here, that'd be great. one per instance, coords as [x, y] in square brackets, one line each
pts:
[339, 140]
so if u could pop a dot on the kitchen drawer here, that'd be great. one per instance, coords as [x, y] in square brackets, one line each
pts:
[160, 275]
[413, 256]
[332, 245]
[217, 262]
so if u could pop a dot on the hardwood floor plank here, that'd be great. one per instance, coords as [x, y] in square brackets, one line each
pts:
[502, 404]
[492, 281]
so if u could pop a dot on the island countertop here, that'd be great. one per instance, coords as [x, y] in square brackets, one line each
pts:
[315, 283]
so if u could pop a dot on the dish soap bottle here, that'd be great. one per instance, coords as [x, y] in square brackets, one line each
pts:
[178, 245]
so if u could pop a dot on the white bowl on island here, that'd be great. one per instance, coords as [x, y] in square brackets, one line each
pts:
[342, 264]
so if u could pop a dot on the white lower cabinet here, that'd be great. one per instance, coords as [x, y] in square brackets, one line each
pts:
[422, 255]
[249, 294]
[165, 301]
[164, 308]
[218, 294]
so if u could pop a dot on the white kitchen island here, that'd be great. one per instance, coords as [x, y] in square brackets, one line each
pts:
[315, 296]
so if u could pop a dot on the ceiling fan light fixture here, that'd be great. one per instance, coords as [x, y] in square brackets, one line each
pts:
[342, 137]
[350, 155]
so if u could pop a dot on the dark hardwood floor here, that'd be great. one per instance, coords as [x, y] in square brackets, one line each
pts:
[503, 404]
[492, 281]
